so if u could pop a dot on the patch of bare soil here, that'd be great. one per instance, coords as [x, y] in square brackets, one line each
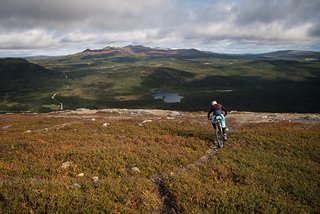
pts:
[128, 98]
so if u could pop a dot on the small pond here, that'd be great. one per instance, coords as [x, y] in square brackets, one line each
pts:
[167, 97]
[224, 90]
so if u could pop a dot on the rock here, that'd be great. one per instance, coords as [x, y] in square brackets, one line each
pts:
[272, 115]
[174, 114]
[28, 131]
[140, 124]
[80, 174]
[94, 119]
[76, 186]
[170, 118]
[84, 111]
[95, 179]
[66, 164]
[147, 121]
[311, 117]
[106, 124]
[135, 169]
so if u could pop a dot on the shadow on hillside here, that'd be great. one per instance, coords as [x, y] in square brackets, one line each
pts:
[235, 93]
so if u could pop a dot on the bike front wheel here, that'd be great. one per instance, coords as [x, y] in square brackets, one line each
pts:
[219, 137]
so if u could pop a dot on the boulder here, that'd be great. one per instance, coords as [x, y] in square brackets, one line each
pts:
[135, 170]
[95, 179]
[66, 164]
[76, 186]
[80, 174]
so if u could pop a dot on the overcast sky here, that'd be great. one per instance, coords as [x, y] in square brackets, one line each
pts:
[51, 27]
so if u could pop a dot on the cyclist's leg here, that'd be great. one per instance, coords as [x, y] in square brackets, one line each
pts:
[224, 133]
[213, 121]
[223, 124]
[223, 121]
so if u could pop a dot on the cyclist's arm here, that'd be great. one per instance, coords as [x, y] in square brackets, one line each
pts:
[225, 110]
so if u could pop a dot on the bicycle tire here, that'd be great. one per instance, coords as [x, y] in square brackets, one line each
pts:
[219, 134]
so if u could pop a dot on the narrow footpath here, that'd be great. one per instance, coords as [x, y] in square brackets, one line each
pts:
[55, 94]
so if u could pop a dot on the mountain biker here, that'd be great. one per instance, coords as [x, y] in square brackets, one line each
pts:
[218, 109]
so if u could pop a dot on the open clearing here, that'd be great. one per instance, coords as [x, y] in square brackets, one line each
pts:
[138, 160]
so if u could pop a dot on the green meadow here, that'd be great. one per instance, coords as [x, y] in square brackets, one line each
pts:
[247, 83]
[240, 82]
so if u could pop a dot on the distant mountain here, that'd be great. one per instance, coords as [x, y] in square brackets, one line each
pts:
[136, 50]
[139, 50]
[308, 55]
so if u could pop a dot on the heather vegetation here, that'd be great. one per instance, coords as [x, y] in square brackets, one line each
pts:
[108, 162]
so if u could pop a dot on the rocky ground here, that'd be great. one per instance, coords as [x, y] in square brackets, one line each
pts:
[235, 118]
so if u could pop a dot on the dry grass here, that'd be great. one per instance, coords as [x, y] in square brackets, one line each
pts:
[264, 168]
[32, 177]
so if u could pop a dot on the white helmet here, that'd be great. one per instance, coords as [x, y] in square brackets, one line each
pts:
[214, 102]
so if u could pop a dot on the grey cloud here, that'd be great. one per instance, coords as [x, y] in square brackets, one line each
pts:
[315, 31]
[289, 11]
[71, 13]
[171, 23]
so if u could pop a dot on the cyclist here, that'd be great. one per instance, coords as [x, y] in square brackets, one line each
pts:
[218, 109]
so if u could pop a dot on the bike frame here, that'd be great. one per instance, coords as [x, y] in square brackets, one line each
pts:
[219, 132]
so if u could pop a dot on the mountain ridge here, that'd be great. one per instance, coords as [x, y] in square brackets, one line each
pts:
[149, 51]
[157, 51]
[144, 51]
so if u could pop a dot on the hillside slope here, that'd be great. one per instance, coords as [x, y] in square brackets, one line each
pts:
[138, 160]
[24, 86]
[130, 77]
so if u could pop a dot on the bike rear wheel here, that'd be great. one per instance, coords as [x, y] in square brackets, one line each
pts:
[219, 135]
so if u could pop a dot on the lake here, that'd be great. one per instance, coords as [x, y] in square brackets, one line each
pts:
[167, 97]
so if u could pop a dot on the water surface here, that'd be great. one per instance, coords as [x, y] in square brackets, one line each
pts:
[168, 97]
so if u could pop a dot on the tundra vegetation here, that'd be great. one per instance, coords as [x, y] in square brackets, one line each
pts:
[107, 162]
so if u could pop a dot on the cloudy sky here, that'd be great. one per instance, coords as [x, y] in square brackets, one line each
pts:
[53, 27]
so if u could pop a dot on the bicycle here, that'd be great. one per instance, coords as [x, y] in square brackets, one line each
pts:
[218, 132]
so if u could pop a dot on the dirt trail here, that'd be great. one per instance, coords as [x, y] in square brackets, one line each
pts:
[55, 99]
[169, 203]
[55, 94]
